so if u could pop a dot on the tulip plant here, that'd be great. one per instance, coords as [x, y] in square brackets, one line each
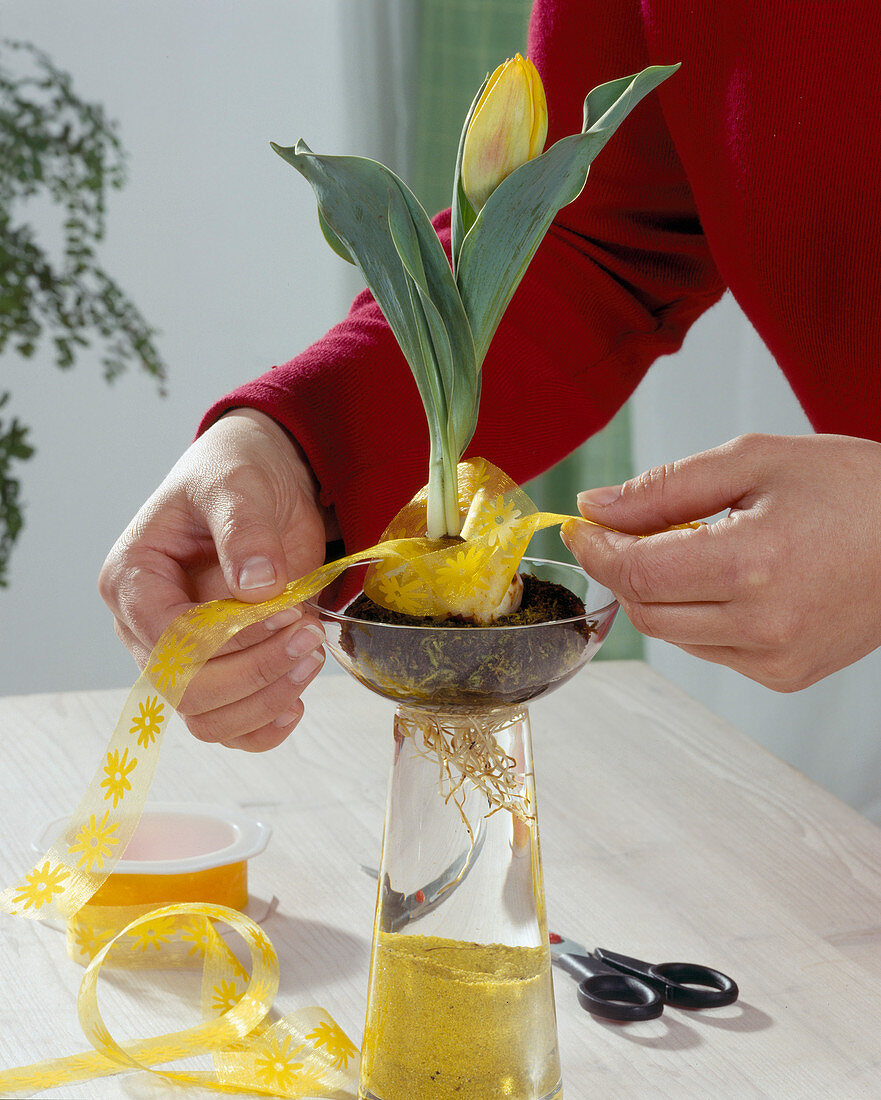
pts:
[506, 193]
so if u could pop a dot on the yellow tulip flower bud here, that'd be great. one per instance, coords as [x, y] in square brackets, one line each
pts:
[508, 128]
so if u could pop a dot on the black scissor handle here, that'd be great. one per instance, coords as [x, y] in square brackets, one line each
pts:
[687, 985]
[619, 997]
[605, 991]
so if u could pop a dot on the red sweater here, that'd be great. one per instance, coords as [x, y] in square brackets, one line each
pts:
[755, 167]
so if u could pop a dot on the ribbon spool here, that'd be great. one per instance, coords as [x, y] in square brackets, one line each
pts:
[180, 852]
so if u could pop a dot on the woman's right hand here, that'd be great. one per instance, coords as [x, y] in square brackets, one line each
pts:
[238, 516]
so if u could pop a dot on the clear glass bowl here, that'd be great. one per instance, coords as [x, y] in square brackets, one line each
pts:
[465, 667]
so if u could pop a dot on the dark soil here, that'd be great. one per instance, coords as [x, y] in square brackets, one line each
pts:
[434, 665]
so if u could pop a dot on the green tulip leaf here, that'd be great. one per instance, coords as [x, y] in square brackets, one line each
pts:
[333, 240]
[462, 213]
[451, 342]
[609, 104]
[436, 359]
[352, 195]
[508, 230]
[371, 218]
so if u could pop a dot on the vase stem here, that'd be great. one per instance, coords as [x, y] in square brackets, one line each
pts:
[460, 1002]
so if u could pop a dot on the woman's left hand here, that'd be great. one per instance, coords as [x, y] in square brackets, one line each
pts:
[785, 589]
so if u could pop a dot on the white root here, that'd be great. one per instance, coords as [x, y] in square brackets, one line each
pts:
[469, 755]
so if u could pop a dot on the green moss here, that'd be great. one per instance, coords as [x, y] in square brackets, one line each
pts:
[452, 662]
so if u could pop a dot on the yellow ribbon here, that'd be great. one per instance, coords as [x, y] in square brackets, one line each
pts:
[305, 1053]
[308, 1052]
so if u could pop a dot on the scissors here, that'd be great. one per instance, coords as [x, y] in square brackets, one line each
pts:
[399, 909]
[617, 987]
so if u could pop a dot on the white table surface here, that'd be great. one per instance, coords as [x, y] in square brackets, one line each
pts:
[665, 834]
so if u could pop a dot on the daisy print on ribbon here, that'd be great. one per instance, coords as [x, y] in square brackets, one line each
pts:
[275, 1065]
[41, 886]
[195, 933]
[102, 1039]
[171, 661]
[265, 948]
[207, 615]
[473, 477]
[89, 938]
[339, 1046]
[147, 723]
[225, 995]
[94, 842]
[400, 595]
[500, 522]
[464, 566]
[117, 770]
[155, 934]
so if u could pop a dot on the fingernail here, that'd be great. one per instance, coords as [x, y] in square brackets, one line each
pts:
[258, 572]
[566, 532]
[288, 617]
[305, 640]
[286, 718]
[598, 498]
[305, 667]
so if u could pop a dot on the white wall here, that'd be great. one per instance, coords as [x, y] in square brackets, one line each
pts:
[722, 383]
[214, 238]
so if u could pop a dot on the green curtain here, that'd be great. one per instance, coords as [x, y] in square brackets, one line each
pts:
[459, 42]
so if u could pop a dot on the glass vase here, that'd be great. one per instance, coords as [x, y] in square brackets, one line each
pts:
[460, 1000]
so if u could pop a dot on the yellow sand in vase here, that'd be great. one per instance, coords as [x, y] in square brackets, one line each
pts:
[448, 1018]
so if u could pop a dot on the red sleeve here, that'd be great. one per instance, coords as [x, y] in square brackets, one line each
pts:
[618, 280]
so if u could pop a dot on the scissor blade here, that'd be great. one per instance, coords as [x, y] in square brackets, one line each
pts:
[400, 909]
[629, 965]
[561, 946]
